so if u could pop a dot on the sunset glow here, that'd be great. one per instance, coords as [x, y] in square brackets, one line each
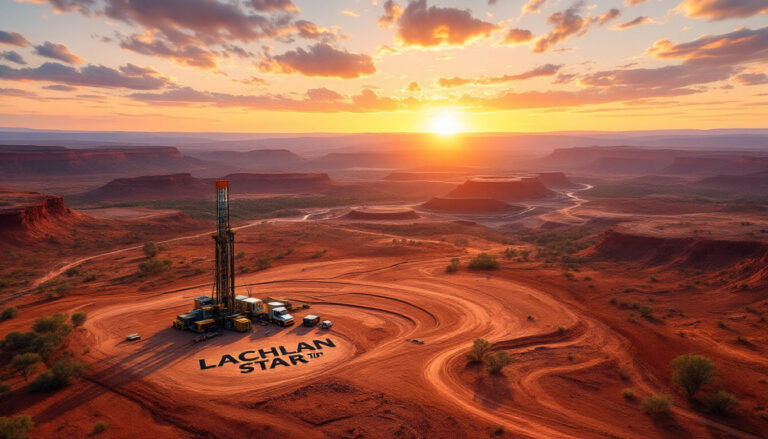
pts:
[446, 124]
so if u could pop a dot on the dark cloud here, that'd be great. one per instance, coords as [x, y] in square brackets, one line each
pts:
[57, 51]
[566, 24]
[13, 39]
[12, 56]
[392, 11]
[545, 70]
[424, 26]
[533, 6]
[741, 45]
[189, 55]
[752, 78]
[636, 22]
[320, 60]
[609, 15]
[90, 76]
[16, 93]
[518, 36]
[58, 87]
[724, 9]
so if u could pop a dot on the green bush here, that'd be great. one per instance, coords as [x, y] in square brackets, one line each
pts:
[26, 364]
[16, 427]
[150, 249]
[19, 341]
[720, 402]
[629, 394]
[5, 389]
[58, 376]
[78, 318]
[691, 372]
[154, 266]
[318, 254]
[46, 344]
[510, 253]
[72, 272]
[53, 323]
[646, 311]
[483, 261]
[63, 288]
[656, 404]
[9, 313]
[263, 263]
[479, 348]
[99, 427]
[453, 266]
[496, 361]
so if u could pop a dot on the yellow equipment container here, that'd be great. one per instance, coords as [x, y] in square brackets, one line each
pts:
[205, 325]
[242, 324]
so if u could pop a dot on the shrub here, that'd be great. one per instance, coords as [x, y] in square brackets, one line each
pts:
[692, 371]
[453, 266]
[318, 254]
[5, 389]
[240, 255]
[78, 319]
[629, 394]
[16, 427]
[9, 313]
[53, 323]
[63, 288]
[498, 431]
[560, 329]
[18, 341]
[646, 311]
[154, 266]
[479, 348]
[150, 249]
[72, 272]
[656, 404]
[26, 364]
[263, 263]
[496, 361]
[613, 301]
[483, 261]
[46, 344]
[510, 253]
[720, 402]
[58, 376]
[99, 427]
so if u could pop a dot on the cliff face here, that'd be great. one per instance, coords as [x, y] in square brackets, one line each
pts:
[556, 180]
[736, 165]
[154, 187]
[279, 182]
[34, 161]
[469, 205]
[506, 189]
[27, 210]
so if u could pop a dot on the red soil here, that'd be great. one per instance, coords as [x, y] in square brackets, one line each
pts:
[501, 188]
[469, 205]
[154, 187]
[381, 214]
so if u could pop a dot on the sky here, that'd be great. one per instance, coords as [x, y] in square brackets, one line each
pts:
[382, 65]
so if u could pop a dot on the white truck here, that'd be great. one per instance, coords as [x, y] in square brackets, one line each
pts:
[278, 314]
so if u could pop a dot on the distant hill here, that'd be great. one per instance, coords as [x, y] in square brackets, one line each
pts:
[505, 189]
[469, 205]
[256, 160]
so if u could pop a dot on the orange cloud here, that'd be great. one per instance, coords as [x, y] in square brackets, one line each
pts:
[518, 36]
[724, 9]
[566, 24]
[13, 39]
[632, 23]
[431, 26]
[320, 60]
[57, 51]
[545, 70]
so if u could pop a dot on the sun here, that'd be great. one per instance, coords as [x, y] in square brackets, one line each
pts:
[446, 124]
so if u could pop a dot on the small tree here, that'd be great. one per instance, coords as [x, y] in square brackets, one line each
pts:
[496, 361]
[483, 261]
[721, 402]
[99, 427]
[26, 364]
[691, 372]
[78, 319]
[52, 323]
[58, 376]
[150, 249]
[479, 348]
[657, 404]
[16, 427]
[9, 313]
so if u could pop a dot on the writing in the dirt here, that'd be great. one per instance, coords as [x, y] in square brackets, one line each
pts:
[272, 358]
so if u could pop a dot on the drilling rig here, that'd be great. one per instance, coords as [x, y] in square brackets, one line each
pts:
[224, 285]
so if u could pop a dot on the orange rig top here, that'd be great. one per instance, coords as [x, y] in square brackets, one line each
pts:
[221, 184]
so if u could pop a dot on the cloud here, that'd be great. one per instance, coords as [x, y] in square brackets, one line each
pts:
[273, 5]
[533, 6]
[392, 11]
[609, 15]
[633, 2]
[59, 87]
[12, 56]
[636, 22]
[741, 45]
[320, 100]
[189, 55]
[424, 26]
[723, 9]
[566, 24]
[545, 70]
[320, 60]
[16, 93]
[90, 76]
[752, 79]
[413, 87]
[57, 51]
[350, 13]
[517, 36]
[13, 39]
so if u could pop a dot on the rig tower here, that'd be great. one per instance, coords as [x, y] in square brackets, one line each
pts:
[224, 286]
